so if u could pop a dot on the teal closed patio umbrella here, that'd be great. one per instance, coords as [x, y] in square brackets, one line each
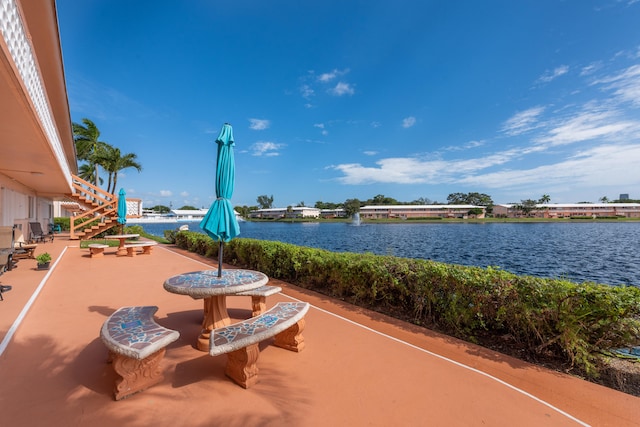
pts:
[122, 209]
[220, 222]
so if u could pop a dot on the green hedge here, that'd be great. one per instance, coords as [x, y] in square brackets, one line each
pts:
[547, 316]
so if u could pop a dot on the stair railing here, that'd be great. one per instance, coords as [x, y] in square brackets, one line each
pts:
[107, 204]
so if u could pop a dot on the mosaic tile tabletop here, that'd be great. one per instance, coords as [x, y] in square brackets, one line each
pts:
[207, 283]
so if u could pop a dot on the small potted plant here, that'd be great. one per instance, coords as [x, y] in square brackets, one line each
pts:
[43, 261]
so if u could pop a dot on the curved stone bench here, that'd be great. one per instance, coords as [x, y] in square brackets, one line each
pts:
[136, 346]
[146, 247]
[96, 250]
[240, 341]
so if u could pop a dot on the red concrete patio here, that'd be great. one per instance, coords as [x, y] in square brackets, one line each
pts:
[358, 367]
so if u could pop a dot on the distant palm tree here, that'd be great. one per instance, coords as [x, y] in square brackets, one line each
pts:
[88, 145]
[87, 172]
[544, 199]
[113, 162]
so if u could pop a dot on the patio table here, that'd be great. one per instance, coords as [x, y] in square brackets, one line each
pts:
[122, 237]
[206, 284]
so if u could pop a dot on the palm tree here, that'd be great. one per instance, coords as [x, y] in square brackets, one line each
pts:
[87, 172]
[544, 199]
[113, 162]
[88, 145]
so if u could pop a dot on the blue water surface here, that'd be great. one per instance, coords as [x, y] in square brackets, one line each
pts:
[606, 252]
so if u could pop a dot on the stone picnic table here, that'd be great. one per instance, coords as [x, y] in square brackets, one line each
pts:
[122, 238]
[206, 284]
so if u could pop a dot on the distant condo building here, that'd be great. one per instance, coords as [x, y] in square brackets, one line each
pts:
[421, 211]
[375, 212]
[568, 210]
[278, 213]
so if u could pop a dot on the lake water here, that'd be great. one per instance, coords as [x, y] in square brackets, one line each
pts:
[605, 252]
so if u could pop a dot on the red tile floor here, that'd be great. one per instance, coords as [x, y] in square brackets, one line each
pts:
[358, 367]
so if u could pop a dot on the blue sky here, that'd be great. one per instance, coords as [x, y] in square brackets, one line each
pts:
[333, 100]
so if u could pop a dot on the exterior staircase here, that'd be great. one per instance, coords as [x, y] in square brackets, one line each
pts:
[100, 210]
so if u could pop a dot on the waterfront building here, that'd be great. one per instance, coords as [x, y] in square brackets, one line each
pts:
[188, 214]
[333, 213]
[279, 213]
[420, 211]
[568, 210]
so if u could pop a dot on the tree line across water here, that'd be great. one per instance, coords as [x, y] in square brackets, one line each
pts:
[352, 206]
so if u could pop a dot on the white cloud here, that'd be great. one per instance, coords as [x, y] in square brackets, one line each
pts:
[259, 124]
[522, 122]
[587, 126]
[408, 170]
[600, 166]
[473, 144]
[184, 194]
[311, 82]
[327, 77]
[370, 153]
[268, 149]
[468, 145]
[166, 193]
[552, 75]
[341, 89]
[590, 69]
[408, 122]
[625, 85]
[376, 124]
[601, 131]
[322, 127]
[306, 91]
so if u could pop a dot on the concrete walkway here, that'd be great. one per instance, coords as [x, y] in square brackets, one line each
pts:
[358, 368]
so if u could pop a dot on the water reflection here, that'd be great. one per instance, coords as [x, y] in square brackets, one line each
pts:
[599, 252]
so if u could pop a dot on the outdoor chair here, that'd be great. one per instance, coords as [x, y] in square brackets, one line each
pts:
[5, 261]
[37, 235]
[22, 249]
[6, 248]
[3, 289]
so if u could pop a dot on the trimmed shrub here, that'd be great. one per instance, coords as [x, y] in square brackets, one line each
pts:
[568, 320]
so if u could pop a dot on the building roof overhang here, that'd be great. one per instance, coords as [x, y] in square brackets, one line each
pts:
[36, 138]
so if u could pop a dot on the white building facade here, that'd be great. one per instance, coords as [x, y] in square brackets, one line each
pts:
[568, 210]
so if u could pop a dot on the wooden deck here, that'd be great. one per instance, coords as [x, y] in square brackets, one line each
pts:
[358, 367]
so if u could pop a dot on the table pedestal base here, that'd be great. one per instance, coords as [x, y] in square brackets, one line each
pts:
[215, 316]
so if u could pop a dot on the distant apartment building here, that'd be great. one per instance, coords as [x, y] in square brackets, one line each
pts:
[278, 213]
[333, 213]
[188, 214]
[421, 211]
[567, 210]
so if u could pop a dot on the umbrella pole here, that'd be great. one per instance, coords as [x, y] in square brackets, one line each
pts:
[220, 249]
